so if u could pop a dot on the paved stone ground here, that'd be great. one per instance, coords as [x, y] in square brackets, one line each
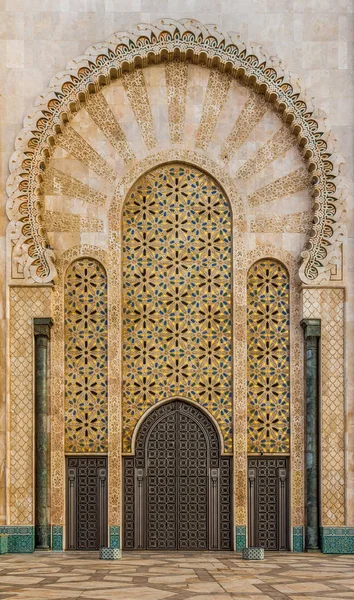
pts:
[176, 576]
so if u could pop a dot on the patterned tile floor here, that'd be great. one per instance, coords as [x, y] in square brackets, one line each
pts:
[182, 576]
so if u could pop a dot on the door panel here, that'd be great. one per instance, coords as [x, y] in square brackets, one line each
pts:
[162, 485]
[86, 503]
[193, 485]
[177, 488]
[268, 506]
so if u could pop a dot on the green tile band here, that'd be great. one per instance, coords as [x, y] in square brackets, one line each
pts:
[240, 536]
[57, 538]
[337, 540]
[298, 539]
[114, 536]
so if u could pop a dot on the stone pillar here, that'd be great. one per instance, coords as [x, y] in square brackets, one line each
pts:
[312, 333]
[41, 336]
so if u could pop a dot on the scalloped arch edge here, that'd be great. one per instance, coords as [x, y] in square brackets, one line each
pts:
[163, 40]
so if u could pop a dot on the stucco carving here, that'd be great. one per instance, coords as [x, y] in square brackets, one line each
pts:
[122, 53]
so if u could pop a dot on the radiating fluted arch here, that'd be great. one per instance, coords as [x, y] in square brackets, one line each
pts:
[164, 40]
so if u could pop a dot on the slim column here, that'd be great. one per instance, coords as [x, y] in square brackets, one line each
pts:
[41, 337]
[312, 333]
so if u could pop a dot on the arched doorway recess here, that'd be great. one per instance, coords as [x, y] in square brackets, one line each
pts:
[177, 487]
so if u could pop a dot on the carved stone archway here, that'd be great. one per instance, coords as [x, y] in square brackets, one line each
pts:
[165, 40]
[183, 501]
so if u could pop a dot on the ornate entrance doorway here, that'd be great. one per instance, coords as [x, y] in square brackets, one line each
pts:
[86, 502]
[177, 492]
[268, 503]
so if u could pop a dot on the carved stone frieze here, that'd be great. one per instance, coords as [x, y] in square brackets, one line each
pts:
[33, 258]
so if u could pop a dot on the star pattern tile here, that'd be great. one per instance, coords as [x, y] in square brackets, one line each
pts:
[86, 357]
[177, 296]
[268, 357]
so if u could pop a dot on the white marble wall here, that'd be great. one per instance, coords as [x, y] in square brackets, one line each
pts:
[314, 38]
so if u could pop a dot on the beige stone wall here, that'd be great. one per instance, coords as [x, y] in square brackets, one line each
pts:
[314, 39]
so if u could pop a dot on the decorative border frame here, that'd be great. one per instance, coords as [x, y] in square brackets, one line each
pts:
[58, 387]
[166, 39]
[297, 453]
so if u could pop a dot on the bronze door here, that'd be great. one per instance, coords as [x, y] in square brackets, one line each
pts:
[86, 503]
[268, 503]
[177, 488]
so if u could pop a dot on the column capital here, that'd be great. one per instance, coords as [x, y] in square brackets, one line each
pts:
[42, 326]
[311, 327]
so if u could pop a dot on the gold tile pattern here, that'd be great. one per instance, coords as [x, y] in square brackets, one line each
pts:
[328, 305]
[177, 296]
[176, 74]
[57, 451]
[296, 378]
[25, 305]
[268, 357]
[86, 357]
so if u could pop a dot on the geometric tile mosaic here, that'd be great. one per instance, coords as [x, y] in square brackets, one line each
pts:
[328, 305]
[86, 357]
[25, 304]
[268, 357]
[177, 296]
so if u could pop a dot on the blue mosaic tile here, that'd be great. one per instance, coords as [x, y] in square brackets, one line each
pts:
[298, 539]
[57, 538]
[241, 542]
[337, 540]
[21, 539]
[114, 536]
[4, 543]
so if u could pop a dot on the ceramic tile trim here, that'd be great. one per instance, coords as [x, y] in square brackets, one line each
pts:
[114, 536]
[20, 539]
[298, 536]
[337, 540]
[57, 538]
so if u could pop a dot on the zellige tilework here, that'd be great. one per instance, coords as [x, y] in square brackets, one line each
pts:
[177, 296]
